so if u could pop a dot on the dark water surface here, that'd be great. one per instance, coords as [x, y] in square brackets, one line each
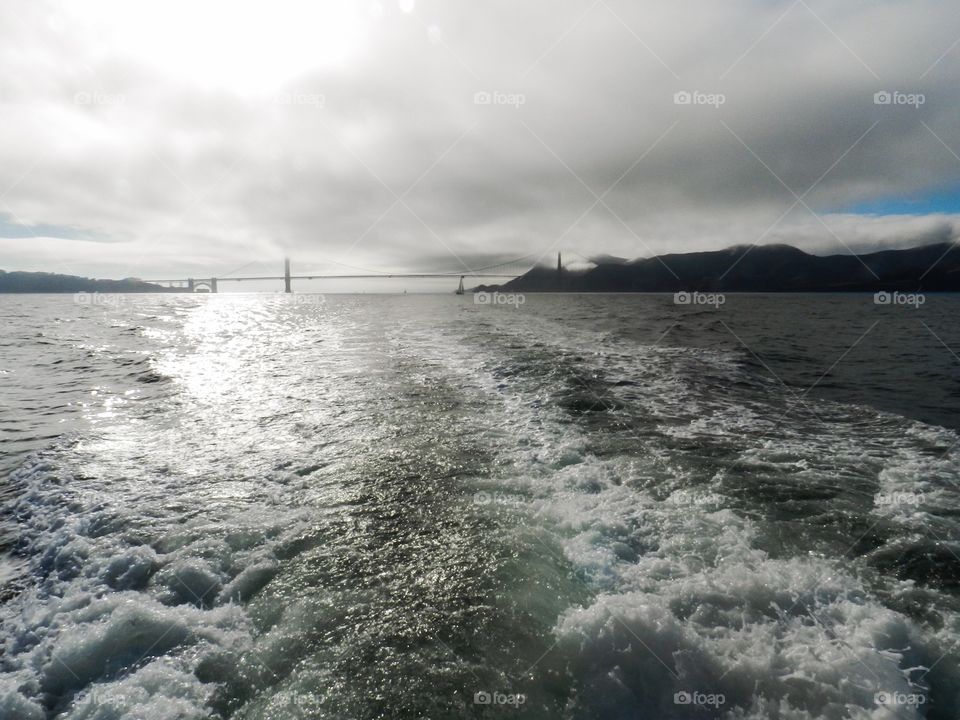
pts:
[252, 506]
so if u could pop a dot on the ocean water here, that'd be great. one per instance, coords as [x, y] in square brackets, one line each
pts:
[260, 506]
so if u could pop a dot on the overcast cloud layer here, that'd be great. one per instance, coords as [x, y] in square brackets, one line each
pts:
[176, 137]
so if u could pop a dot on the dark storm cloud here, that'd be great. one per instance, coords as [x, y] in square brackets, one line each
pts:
[460, 133]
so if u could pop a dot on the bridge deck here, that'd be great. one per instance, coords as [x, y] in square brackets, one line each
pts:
[347, 277]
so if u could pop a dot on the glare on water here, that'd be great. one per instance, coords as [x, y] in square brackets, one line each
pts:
[414, 506]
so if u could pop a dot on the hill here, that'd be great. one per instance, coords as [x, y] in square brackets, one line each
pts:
[760, 268]
[42, 282]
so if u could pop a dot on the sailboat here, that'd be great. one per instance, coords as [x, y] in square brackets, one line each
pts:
[460, 289]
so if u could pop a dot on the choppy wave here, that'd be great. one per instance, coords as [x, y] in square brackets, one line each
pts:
[382, 508]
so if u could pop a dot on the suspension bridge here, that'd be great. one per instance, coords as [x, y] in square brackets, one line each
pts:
[505, 270]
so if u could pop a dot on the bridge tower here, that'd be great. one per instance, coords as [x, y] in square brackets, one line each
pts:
[286, 275]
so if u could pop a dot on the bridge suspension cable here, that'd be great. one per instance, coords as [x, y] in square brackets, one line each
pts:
[467, 272]
[489, 271]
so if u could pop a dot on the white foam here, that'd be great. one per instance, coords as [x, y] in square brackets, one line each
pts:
[686, 601]
[702, 610]
[137, 582]
[14, 705]
[157, 691]
[112, 627]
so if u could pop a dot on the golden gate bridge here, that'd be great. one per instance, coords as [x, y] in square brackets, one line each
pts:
[503, 270]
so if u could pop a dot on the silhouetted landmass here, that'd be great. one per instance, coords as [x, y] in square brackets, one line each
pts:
[760, 268]
[41, 282]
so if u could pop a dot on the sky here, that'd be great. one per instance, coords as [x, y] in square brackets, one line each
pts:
[176, 138]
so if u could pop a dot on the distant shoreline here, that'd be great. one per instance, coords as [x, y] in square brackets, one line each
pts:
[20, 282]
[744, 269]
[756, 269]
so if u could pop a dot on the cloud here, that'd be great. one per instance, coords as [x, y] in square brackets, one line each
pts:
[456, 134]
